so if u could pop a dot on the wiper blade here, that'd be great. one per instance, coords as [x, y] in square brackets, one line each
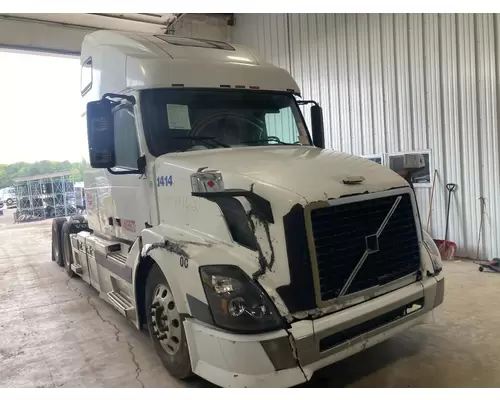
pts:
[267, 140]
[203, 139]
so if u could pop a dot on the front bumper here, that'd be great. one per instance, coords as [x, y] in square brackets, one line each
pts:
[289, 357]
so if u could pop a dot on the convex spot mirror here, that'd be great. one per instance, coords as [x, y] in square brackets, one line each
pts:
[100, 134]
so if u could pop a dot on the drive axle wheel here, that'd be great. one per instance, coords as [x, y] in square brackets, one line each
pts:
[57, 252]
[165, 325]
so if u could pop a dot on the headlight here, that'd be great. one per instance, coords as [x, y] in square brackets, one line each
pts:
[238, 303]
[433, 251]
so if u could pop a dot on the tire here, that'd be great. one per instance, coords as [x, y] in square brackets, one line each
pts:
[80, 218]
[57, 224]
[67, 252]
[68, 228]
[481, 269]
[172, 350]
[9, 202]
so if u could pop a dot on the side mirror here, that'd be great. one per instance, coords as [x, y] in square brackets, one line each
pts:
[318, 131]
[100, 134]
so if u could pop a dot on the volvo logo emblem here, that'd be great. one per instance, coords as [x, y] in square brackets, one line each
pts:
[372, 246]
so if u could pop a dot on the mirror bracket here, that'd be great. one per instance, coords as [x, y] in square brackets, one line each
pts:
[141, 168]
[126, 172]
[305, 102]
[110, 96]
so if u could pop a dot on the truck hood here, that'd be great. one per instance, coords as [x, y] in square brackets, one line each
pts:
[309, 172]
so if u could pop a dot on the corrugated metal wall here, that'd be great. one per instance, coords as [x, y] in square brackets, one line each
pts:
[403, 82]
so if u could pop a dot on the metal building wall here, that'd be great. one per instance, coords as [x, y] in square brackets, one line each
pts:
[403, 82]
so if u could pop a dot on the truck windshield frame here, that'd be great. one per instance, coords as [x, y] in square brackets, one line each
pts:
[185, 119]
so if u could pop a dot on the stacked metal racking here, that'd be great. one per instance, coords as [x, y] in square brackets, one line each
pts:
[45, 196]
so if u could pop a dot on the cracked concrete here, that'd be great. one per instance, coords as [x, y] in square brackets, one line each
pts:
[56, 332]
[117, 331]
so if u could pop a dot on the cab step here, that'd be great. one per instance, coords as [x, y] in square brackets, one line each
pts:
[118, 257]
[77, 269]
[122, 304]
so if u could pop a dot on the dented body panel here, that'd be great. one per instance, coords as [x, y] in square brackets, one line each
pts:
[276, 360]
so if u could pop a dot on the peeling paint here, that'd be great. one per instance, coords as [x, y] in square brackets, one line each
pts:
[265, 265]
[320, 312]
[318, 204]
[172, 247]
[282, 308]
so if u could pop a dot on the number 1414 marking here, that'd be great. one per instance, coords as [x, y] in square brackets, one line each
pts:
[164, 180]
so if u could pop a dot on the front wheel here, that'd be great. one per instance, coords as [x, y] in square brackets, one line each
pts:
[165, 325]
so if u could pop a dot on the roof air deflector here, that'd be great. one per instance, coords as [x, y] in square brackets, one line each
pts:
[191, 42]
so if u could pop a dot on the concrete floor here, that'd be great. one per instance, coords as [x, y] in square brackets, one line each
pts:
[57, 332]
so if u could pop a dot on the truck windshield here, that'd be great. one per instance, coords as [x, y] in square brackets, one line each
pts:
[177, 120]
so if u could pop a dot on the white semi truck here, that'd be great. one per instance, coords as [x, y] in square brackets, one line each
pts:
[218, 223]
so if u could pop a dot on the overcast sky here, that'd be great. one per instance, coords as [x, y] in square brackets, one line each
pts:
[40, 109]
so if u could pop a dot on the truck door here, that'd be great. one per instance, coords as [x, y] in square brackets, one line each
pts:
[130, 208]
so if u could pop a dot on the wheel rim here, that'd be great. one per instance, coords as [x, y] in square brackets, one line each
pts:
[166, 319]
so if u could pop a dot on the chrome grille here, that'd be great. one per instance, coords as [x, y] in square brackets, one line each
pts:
[376, 238]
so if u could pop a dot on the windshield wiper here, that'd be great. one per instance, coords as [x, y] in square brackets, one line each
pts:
[267, 140]
[203, 139]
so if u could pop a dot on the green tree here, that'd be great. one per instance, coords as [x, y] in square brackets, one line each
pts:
[24, 170]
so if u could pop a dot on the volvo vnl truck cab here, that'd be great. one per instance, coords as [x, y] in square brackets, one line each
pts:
[217, 222]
